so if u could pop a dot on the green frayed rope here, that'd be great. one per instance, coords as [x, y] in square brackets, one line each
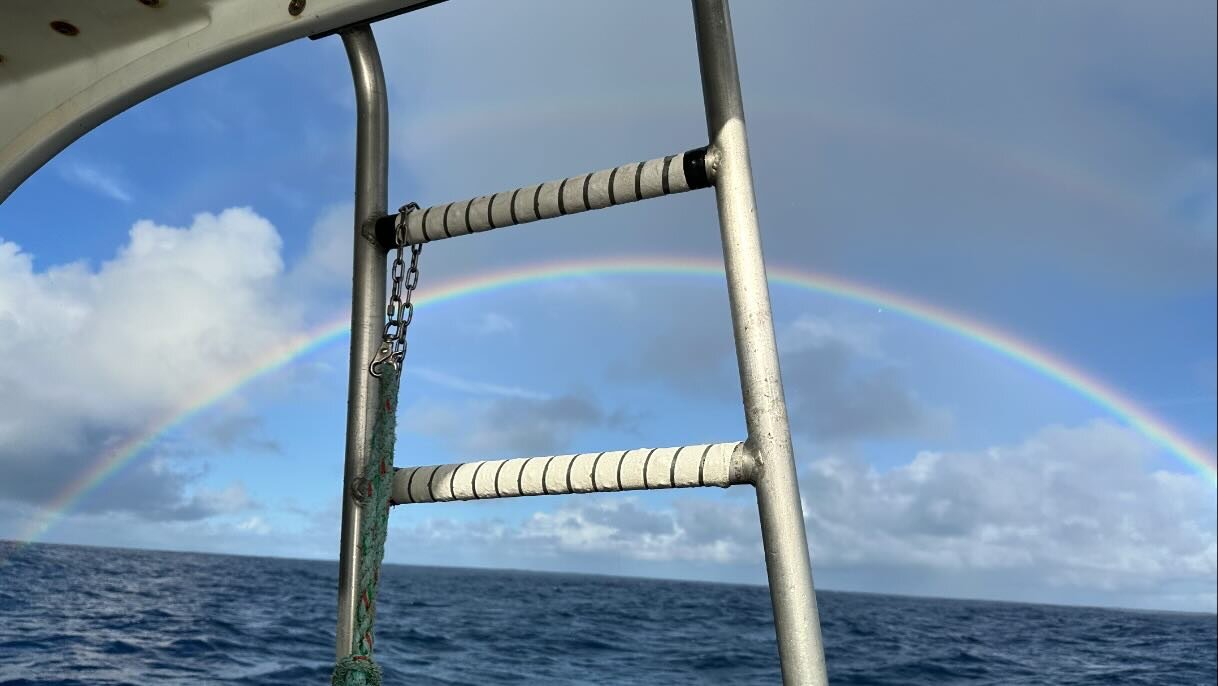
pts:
[356, 672]
[358, 669]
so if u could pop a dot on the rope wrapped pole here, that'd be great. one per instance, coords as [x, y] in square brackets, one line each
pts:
[679, 173]
[372, 492]
[367, 304]
[690, 466]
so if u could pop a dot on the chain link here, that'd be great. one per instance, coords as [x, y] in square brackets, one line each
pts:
[399, 312]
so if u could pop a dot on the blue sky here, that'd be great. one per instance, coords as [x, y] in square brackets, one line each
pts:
[1049, 170]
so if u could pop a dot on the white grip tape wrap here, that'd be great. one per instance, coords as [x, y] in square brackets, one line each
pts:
[627, 183]
[688, 466]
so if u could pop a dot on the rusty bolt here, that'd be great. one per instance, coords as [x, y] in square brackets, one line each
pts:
[361, 490]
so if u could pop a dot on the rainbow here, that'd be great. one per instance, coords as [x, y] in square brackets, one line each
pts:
[1157, 430]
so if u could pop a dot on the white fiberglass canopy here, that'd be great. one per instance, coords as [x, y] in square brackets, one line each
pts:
[68, 65]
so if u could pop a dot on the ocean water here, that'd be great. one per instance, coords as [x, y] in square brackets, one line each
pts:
[73, 615]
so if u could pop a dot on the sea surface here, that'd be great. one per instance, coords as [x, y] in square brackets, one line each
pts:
[74, 615]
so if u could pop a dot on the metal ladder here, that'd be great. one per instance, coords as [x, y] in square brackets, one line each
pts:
[764, 460]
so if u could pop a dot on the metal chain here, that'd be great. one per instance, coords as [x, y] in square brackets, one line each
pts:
[400, 310]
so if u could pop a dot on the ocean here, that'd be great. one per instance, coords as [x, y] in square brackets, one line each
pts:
[74, 615]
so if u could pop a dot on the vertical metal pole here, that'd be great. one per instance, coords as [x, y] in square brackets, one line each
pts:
[769, 442]
[367, 300]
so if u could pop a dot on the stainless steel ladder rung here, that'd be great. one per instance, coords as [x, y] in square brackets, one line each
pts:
[689, 466]
[628, 183]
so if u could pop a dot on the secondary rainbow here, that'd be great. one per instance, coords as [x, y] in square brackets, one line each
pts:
[1156, 429]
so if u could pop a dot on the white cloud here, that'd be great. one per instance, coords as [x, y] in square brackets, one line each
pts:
[464, 385]
[1077, 503]
[230, 499]
[175, 309]
[843, 387]
[584, 534]
[811, 331]
[94, 179]
[232, 430]
[622, 527]
[255, 524]
[511, 426]
[241, 533]
[98, 355]
[493, 323]
[327, 261]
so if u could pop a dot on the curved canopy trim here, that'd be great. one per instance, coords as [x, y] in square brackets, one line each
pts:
[66, 66]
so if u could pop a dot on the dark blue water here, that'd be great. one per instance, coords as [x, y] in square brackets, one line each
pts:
[72, 615]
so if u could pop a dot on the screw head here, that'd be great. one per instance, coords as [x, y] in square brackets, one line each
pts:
[63, 27]
[295, 7]
[361, 490]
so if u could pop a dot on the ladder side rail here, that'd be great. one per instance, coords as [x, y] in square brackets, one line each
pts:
[769, 438]
[690, 466]
[367, 303]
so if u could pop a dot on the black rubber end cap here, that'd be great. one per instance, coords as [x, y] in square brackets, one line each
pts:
[693, 164]
[385, 231]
